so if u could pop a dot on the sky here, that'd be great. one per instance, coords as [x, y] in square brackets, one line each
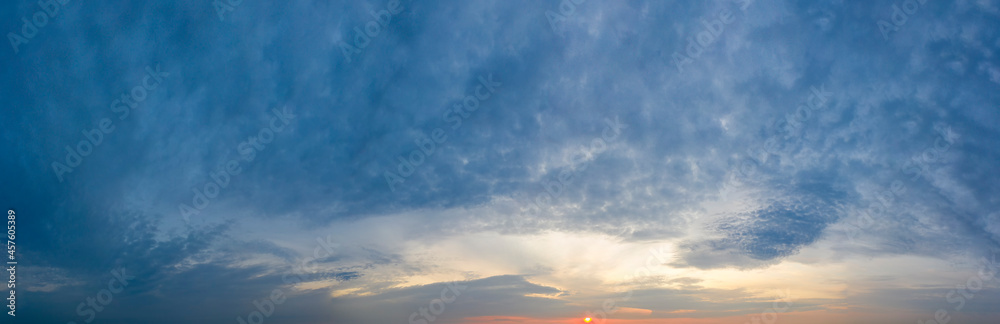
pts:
[474, 162]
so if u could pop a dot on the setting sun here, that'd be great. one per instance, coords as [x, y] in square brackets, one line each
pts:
[586, 320]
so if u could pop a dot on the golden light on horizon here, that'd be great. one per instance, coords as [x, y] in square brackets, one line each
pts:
[586, 320]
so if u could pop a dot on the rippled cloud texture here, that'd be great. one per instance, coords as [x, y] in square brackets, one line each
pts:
[751, 161]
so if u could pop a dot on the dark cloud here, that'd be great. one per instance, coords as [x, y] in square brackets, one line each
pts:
[891, 100]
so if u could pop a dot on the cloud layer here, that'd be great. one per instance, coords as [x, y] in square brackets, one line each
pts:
[797, 141]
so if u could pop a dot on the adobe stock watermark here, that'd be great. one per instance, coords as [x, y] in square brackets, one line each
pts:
[93, 138]
[31, 27]
[225, 6]
[567, 8]
[963, 293]
[919, 166]
[610, 305]
[711, 32]
[579, 162]
[783, 129]
[437, 306]
[219, 179]
[427, 146]
[92, 306]
[266, 306]
[362, 38]
[900, 15]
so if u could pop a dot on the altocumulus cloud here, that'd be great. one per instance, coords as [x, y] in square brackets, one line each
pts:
[667, 179]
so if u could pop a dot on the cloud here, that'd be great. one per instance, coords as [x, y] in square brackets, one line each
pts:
[913, 112]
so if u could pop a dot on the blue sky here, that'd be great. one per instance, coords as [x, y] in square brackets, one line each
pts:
[709, 160]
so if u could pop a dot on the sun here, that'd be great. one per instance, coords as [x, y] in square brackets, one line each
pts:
[586, 320]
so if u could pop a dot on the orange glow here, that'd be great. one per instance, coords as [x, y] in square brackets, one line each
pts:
[586, 320]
